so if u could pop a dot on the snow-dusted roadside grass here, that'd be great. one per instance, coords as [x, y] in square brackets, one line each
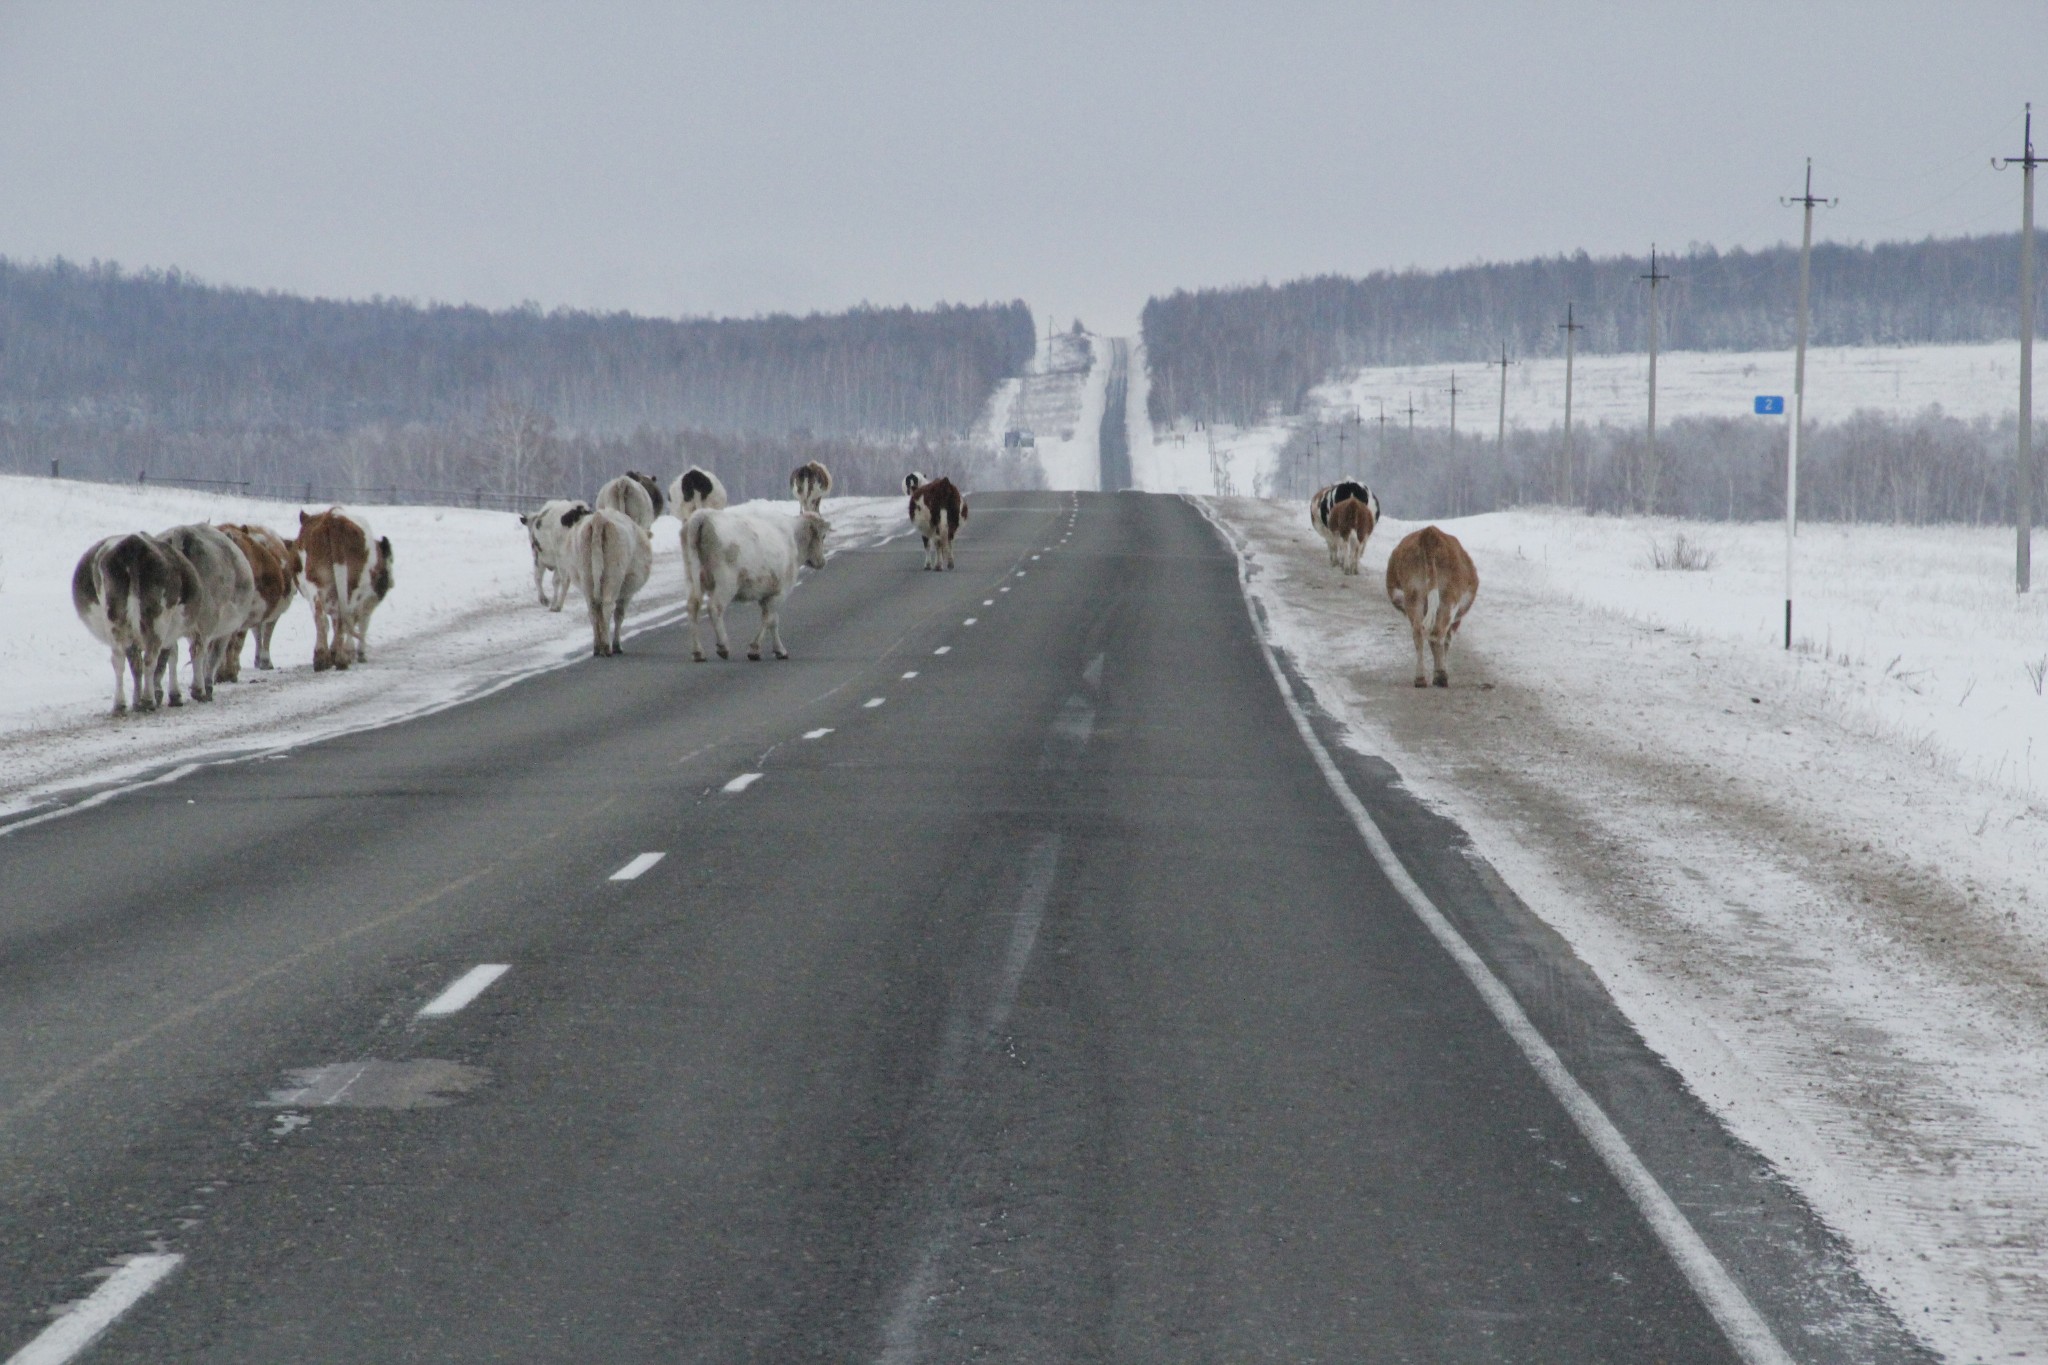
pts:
[461, 620]
[1817, 881]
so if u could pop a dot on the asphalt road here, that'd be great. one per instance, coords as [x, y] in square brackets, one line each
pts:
[1047, 1009]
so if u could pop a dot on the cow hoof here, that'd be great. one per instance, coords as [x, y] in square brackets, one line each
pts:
[754, 656]
[1443, 680]
[1421, 681]
[723, 653]
[698, 655]
[120, 709]
[782, 654]
[321, 663]
[175, 701]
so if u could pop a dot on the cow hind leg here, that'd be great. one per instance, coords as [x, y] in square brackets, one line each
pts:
[619, 627]
[771, 624]
[599, 645]
[718, 629]
[1415, 625]
[121, 666]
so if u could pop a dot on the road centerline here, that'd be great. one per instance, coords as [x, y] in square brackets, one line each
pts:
[637, 866]
[463, 990]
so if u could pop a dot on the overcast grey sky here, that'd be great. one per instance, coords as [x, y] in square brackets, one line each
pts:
[751, 156]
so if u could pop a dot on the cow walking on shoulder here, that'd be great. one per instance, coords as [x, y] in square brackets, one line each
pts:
[344, 574]
[747, 557]
[227, 600]
[1432, 581]
[635, 494]
[937, 509]
[1324, 504]
[610, 555]
[277, 583]
[1351, 523]
[134, 593]
[808, 484]
[547, 535]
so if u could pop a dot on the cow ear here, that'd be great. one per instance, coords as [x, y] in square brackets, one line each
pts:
[302, 521]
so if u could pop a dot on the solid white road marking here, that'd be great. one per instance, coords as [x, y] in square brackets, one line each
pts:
[943, 649]
[741, 783]
[67, 1337]
[637, 866]
[1738, 1318]
[464, 989]
[911, 674]
[872, 702]
[818, 733]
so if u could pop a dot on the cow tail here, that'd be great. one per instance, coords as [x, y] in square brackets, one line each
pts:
[594, 563]
[703, 544]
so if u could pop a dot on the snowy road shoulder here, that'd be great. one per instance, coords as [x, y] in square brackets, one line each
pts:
[1821, 905]
[461, 621]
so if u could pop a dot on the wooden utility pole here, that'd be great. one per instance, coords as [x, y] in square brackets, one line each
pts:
[1411, 414]
[1500, 437]
[2023, 463]
[1798, 389]
[1650, 456]
[1383, 433]
[1571, 330]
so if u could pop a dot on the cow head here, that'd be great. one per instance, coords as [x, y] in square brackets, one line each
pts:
[653, 488]
[811, 531]
[911, 481]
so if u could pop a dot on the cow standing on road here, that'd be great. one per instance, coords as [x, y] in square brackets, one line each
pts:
[611, 555]
[277, 583]
[747, 557]
[227, 599]
[937, 509]
[547, 535]
[134, 593]
[808, 484]
[635, 494]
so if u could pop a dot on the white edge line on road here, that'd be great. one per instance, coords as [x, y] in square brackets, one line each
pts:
[741, 783]
[819, 733]
[463, 990]
[639, 865]
[67, 1337]
[872, 702]
[1731, 1308]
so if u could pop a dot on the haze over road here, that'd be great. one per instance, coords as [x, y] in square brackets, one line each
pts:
[1009, 983]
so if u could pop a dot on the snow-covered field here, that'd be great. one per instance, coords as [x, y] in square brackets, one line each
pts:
[1060, 401]
[1817, 881]
[461, 620]
[1966, 381]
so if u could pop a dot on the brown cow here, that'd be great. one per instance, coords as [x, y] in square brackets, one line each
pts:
[1432, 581]
[1351, 523]
[277, 583]
[937, 509]
[1325, 502]
[344, 576]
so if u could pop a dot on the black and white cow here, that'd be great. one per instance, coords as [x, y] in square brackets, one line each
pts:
[227, 599]
[937, 509]
[808, 484]
[693, 488]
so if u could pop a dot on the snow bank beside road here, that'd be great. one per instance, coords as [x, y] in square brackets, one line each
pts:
[462, 619]
[1814, 880]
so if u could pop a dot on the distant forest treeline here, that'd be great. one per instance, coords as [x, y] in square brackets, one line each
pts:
[1237, 355]
[113, 373]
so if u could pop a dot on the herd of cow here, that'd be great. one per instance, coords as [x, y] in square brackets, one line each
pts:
[215, 586]
[1430, 578]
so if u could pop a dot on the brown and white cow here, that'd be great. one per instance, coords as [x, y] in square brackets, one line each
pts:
[277, 582]
[344, 574]
[134, 594]
[1432, 581]
[937, 509]
[808, 484]
[1351, 523]
[747, 556]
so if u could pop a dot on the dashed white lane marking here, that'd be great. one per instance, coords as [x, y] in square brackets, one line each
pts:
[988, 601]
[67, 1337]
[1002, 589]
[741, 783]
[1038, 556]
[872, 702]
[943, 649]
[637, 866]
[463, 989]
[1745, 1328]
[911, 674]
[819, 733]
[970, 620]
[1022, 572]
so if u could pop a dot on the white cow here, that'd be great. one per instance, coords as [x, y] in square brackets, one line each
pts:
[610, 555]
[227, 599]
[635, 494]
[748, 557]
[547, 534]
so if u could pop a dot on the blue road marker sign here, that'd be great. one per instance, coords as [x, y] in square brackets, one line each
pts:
[1770, 405]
